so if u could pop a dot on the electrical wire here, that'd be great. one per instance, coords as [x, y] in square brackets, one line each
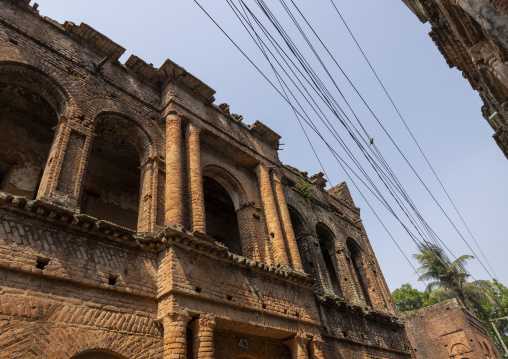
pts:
[411, 133]
[267, 79]
[389, 136]
[318, 85]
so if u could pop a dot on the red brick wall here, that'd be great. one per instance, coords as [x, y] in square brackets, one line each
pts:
[116, 288]
[445, 330]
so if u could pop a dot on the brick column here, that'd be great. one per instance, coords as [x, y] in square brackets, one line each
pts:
[196, 196]
[175, 330]
[174, 169]
[272, 217]
[146, 215]
[316, 348]
[287, 226]
[202, 338]
[297, 347]
[62, 180]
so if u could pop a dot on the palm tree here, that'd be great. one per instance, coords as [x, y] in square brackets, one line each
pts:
[448, 279]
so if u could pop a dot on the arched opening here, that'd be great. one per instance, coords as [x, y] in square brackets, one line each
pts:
[221, 217]
[26, 120]
[97, 354]
[297, 222]
[301, 240]
[113, 179]
[326, 244]
[358, 268]
[486, 350]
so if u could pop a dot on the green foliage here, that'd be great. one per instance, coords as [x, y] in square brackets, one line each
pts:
[500, 293]
[305, 188]
[447, 279]
[407, 298]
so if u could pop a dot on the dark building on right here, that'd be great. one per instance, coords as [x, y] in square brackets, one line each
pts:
[472, 35]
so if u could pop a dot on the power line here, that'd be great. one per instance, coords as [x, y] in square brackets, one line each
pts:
[289, 43]
[297, 118]
[410, 132]
[320, 87]
[266, 78]
[379, 122]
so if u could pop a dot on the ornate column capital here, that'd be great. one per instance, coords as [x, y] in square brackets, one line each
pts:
[297, 345]
[205, 322]
[277, 174]
[316, 347]
[177, 317]
[260, 168]
[192, 126]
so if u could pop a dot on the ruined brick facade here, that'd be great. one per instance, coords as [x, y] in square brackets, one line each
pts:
[139, 220]
[472, 35]
[447, 330]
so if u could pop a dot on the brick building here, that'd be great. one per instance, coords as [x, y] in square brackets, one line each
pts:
[447, 330]
[140, 220]
[472, 35]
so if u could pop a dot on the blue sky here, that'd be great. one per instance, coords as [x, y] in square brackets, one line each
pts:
[438, 104]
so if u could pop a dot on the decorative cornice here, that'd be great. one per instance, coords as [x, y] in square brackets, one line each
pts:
[216, 250]
[58, 214]
[61, 215]
[342, 305]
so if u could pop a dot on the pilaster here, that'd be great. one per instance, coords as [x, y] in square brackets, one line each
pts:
[175, 331]
[271, 214]
[315, 348]
[151, 201]
[196, 195]
[63, 175]
[287, 226]
[202, 338]
[297, 345]
[174, 210]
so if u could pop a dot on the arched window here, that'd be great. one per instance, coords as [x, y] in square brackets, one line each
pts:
[358, 268]
[221, 218]
[326, 244]
[300, 234]
[112, 183]
[26, 122]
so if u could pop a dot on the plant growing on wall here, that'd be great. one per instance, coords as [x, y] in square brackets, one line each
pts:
[305, 188]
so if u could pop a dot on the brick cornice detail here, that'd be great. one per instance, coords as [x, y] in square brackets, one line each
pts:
[149, 242]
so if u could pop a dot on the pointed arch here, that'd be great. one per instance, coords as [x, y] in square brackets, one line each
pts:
[300, 225]
[358, 268]
[301, 229]
[327, 245]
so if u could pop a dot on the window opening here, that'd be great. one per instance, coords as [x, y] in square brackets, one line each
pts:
[26, 120]
[113, 179]
[221, 218]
